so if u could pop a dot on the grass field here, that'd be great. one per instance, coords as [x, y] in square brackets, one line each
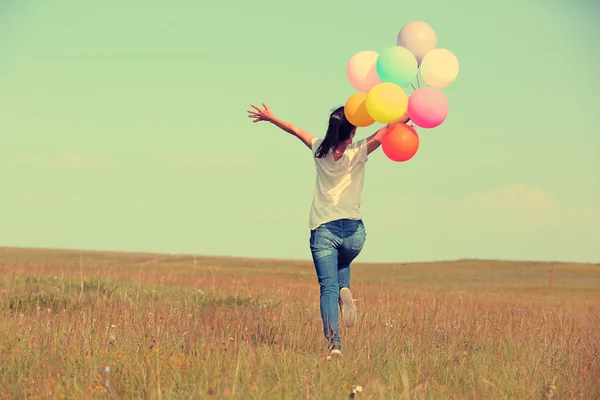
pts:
[184, 327]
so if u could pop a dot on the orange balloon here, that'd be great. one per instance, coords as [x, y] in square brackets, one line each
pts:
[400, 143]
[356, 110]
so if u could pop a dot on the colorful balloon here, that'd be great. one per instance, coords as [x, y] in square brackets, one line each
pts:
[398, 65]
[439, 68]
[427, 107]
[362, 71]
[386, 102]
[400, 143]
[418, 37]
[356, 112]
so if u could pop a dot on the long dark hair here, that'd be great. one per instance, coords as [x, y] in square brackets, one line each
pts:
[338, 131]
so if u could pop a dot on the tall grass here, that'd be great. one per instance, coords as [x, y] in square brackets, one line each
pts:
[189, 327]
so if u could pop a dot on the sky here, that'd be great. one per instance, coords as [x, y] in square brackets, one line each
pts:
[124, 128]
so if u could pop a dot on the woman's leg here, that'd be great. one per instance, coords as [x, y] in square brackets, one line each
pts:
[323, 245]
[353, 241]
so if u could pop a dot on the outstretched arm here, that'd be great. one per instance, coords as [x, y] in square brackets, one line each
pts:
[374, 141]
[267, 115]
[301, 134]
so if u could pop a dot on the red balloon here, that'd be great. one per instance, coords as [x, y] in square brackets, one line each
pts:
[400, 143]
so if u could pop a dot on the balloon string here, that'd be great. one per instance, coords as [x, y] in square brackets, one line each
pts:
[413, 86]
[418, 82]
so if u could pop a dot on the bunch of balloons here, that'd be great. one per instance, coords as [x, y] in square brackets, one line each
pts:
[382, 78]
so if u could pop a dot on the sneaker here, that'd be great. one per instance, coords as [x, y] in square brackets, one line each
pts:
[334, 350]
[347, 307]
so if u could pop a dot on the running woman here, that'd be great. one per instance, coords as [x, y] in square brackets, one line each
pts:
[337, 232]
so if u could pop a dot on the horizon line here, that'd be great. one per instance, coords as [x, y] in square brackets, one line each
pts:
[271, 259]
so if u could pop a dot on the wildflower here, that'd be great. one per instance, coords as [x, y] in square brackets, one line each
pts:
[356, 389]
[550, 389]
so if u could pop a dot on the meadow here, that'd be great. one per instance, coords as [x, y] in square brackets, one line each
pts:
[81, 325]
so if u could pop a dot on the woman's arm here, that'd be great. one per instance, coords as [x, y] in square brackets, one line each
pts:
[374, 141]
[301, 134]
[267, 115]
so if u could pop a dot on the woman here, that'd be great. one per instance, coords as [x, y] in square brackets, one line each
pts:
[337, 233]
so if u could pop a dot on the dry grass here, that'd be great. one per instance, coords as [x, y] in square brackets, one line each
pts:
[186, 327]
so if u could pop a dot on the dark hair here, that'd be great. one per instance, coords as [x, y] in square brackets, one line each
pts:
[339, 130]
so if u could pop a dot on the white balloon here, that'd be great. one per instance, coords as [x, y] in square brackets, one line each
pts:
[439, 68]
[418, 37]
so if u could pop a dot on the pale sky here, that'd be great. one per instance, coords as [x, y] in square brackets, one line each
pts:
[124, 127]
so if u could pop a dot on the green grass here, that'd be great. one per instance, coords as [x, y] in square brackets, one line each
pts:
[188, 327]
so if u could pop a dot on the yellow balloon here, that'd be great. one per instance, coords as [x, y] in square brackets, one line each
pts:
[387, 102]
[439, 68]
[356, 112]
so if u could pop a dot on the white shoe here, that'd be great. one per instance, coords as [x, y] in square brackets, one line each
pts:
[334, 351]
[347, 307]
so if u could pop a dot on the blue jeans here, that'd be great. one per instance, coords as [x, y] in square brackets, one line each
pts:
[334, 245]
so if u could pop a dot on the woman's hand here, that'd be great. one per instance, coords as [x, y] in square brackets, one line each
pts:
[403, 120]
[374, 141]
[261, 115]
[267, 115]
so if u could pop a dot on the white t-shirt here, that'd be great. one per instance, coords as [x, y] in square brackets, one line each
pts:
[339, 184]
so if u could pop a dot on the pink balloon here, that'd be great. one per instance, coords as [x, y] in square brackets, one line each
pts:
[362, 71]
[427, 107]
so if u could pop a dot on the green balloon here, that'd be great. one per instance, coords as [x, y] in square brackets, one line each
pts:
[398, 65]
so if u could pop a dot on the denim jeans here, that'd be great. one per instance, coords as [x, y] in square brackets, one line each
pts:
[334, 245]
